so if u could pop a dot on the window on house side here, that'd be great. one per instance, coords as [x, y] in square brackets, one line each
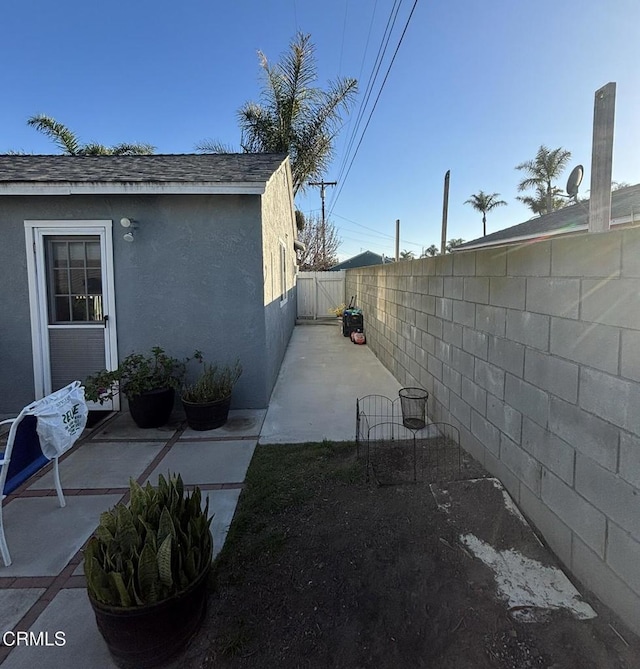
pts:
[283, 273]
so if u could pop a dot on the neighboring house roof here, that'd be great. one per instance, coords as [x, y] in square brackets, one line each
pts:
[625, 209]
[148, 174]
[361, 260]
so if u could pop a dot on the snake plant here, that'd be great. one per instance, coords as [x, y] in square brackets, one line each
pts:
[151, 549]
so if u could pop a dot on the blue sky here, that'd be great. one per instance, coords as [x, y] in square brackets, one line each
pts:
[476, 88]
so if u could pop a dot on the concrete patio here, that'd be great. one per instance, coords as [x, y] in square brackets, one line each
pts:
[44, 589]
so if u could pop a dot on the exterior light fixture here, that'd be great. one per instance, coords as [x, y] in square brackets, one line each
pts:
[130, 225]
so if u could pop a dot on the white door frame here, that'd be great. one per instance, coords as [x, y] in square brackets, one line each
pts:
[35, 232]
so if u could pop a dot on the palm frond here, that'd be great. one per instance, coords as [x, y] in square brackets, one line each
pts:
[135, 149]
[293, 115]
[94, 149]
[214, 146]
[59, 133]
[531, 182]
[70, 144]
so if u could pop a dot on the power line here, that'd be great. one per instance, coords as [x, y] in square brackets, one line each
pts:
[344, 178]
[382, 49]
[377, 232]
[364, 56]
[364, 226]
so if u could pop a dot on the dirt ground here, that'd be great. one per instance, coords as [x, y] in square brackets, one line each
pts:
[324, 568]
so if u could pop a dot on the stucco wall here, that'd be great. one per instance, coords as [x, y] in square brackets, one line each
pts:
[191, 279]
[278, 231]
[534, 353]
[16, 364]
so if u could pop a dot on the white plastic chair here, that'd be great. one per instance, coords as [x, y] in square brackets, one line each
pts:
[60, 419]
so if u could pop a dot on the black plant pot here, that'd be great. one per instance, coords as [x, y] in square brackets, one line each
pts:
[146, 636]
[153, 408]
[207, 416]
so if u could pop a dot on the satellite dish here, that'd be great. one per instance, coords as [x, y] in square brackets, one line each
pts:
[574, 181]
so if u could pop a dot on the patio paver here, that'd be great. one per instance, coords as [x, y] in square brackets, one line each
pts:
[222, 503]
[43, 537]
[122, 427]
[69, 612]
[207, 462]
[101, 464]
[15, 603]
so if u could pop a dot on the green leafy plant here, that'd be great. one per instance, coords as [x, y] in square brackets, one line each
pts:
[151, 549]
[215, 382]
[135, 375]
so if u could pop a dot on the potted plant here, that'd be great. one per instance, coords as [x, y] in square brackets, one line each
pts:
[148, 381]
[146, 568]
[206, 402]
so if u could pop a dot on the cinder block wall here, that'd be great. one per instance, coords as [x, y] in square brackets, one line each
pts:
[533, 352]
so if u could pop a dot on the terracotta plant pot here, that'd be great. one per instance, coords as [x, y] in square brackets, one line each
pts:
[208, 415]
[152, 409]
[147, 636]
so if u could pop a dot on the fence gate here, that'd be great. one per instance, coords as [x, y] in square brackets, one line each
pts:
[320, 291]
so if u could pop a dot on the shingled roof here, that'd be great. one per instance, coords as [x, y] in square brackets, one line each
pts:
[625, 209]
[23, 174]
[364, 259]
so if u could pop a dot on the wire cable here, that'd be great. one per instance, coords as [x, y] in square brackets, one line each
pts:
[343, 180]
[382, 49]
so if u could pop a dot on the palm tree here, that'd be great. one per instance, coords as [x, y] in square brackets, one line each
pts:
[293, 116]
[431, 251]
[407, 255]
[452, 243]
[68, 141]
[538, 203]
[545, 168]
[484, 202]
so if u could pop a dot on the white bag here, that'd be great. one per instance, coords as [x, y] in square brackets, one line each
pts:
[61, 418]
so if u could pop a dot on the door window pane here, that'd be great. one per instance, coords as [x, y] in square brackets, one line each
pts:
[60, 281]
[74, 279]
[78, 282]
[79, 308]
[60, 255]
[76, 254]
[63, 313]
[94, 282]
[93, 254]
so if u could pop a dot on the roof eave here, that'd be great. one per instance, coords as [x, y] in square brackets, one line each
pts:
[621, 220]
[132, 188]
[515, 240]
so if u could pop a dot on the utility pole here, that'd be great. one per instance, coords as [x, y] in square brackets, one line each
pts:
[397, 239]
[445, 213]
[604, 110]
[322, 185]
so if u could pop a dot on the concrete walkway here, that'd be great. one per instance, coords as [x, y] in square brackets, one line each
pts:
[44, 589]
[322, 375]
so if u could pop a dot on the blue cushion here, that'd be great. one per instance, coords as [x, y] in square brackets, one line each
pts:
[27, 457]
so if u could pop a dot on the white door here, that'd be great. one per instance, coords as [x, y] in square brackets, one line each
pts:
[72, 302]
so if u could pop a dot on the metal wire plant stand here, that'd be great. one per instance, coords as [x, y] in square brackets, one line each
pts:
[395, 453]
